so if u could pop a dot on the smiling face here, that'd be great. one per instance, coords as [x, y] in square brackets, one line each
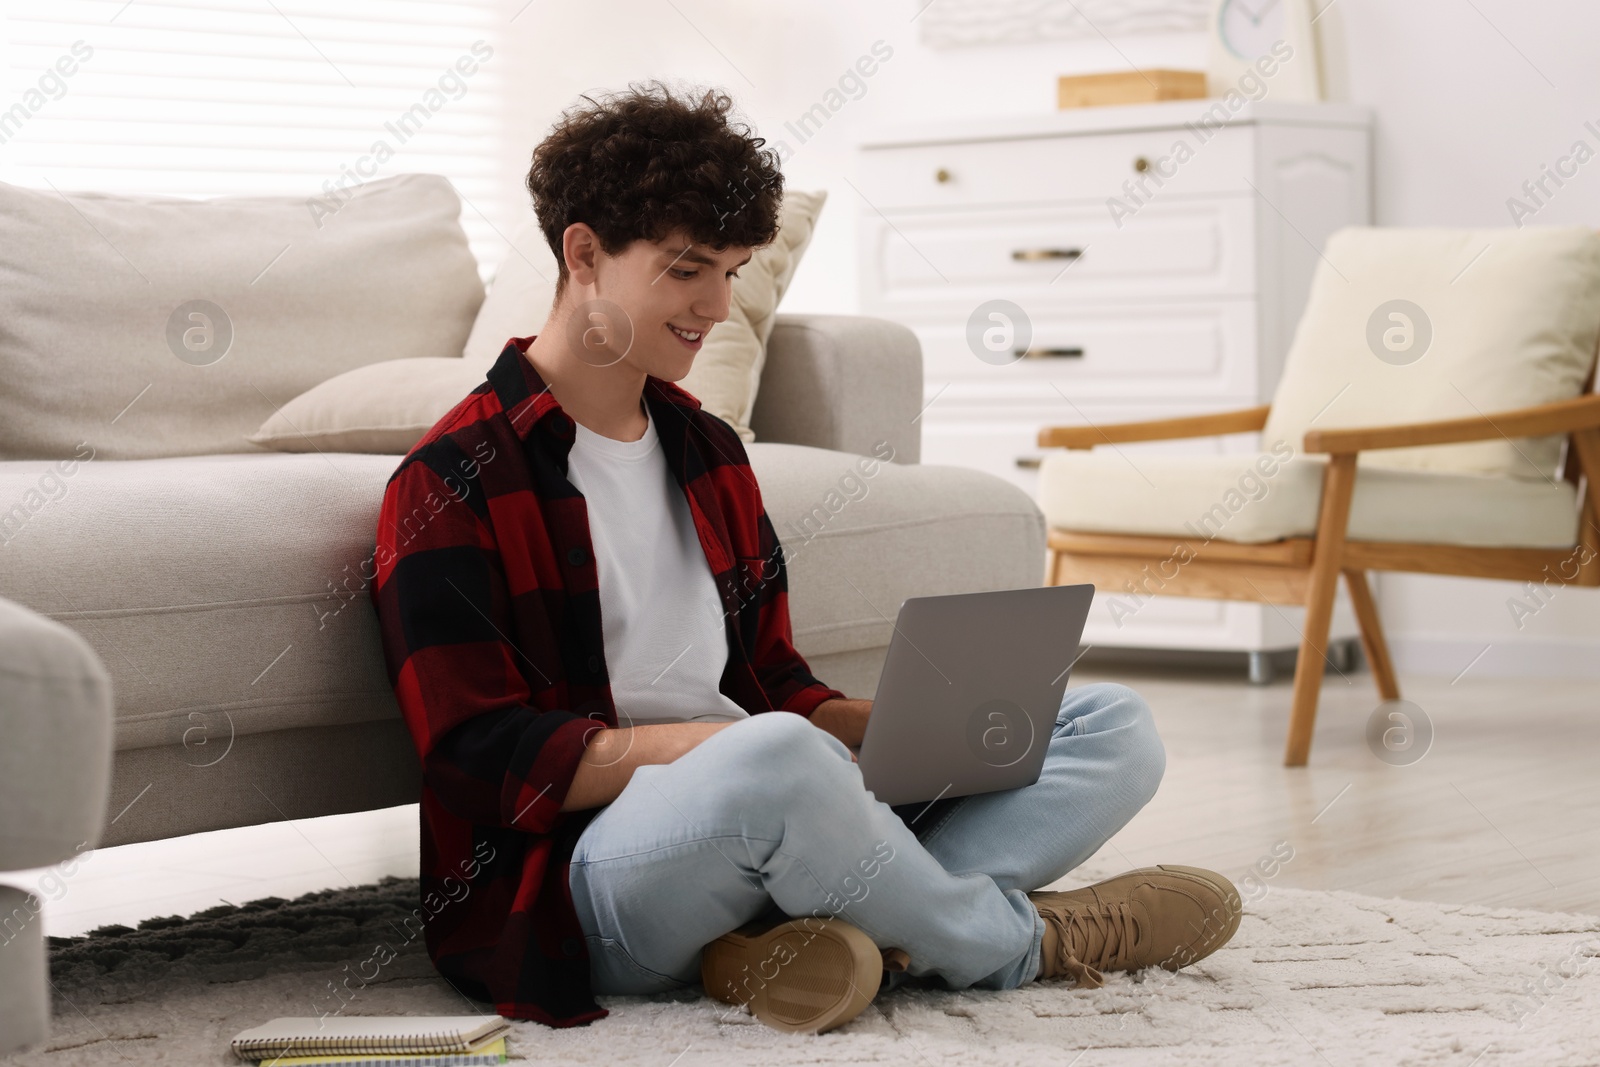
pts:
[651, 305]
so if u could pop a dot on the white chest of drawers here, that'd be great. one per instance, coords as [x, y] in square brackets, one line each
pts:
[1161, 258]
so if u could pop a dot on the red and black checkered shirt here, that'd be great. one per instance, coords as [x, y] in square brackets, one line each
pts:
[487, 595]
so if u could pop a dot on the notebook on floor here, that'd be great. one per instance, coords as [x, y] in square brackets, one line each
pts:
[359, 1034]
[485, 1054]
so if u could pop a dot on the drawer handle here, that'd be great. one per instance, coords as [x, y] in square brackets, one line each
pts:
[1055, 353]
[942, 176]
[1029, 463]
[1040, 255]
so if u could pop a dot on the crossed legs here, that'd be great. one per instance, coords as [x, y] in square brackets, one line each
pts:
[770, 815]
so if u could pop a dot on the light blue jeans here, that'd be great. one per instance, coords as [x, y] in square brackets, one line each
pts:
[769, 818]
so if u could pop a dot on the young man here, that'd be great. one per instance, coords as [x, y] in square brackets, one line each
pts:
[632, 781]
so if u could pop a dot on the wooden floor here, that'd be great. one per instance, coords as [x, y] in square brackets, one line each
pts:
[1504, 809]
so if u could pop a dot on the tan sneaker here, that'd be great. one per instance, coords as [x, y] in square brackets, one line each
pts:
[801, 976]
[1160, 916]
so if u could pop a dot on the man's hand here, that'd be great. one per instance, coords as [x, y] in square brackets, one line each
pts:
[844, 719]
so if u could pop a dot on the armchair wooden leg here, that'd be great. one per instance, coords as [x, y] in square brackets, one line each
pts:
[1308, 668]
[1372, 638]
[1338, 483]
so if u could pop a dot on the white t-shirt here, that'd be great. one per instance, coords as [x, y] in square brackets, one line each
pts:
[661, 618]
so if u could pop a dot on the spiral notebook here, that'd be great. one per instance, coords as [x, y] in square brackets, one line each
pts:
[367, 1034]
[488, 1054]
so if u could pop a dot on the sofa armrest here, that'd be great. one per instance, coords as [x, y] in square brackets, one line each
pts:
[55, 757]
[844, 382]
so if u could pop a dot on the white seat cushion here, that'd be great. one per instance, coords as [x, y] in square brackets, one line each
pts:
[1255, 498]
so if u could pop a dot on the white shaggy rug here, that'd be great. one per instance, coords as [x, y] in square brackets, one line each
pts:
[1311, 978]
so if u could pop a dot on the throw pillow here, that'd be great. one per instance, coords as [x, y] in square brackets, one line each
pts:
[381, 408]
[1419, 325]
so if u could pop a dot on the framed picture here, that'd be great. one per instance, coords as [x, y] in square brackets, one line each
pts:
[953, 23]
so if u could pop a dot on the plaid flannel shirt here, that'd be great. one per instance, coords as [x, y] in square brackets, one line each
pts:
[487, 596]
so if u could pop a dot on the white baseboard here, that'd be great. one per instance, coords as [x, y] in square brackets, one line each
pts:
[1448, 657]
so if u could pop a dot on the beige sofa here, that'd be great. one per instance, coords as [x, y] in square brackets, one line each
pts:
[199, 624]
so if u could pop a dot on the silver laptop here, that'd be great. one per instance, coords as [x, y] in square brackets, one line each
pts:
[970, 691]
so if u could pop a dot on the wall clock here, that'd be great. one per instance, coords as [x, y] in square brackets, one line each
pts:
[1264, 48]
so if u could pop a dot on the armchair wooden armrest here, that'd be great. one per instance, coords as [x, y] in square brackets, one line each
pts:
[1083, 437]
[1562, 416]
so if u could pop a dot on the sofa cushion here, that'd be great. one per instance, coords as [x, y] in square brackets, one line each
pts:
[224, 593]
[382, 407]
[150, 326]
[1255, 498]
[727, 370]
[227, 594]
[521, 294]
[1416, 325]
[860, 537]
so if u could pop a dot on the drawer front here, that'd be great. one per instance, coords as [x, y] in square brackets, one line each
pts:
[946, 265]
[1193, 350]
[1041, 170]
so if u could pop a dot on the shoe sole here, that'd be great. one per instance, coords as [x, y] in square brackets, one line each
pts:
[800, 976]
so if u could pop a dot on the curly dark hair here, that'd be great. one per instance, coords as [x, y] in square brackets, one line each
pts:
[645, 163]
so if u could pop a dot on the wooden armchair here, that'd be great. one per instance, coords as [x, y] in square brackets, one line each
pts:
[1303, 568]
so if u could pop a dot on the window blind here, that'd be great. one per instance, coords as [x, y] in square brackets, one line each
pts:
[268, 97]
